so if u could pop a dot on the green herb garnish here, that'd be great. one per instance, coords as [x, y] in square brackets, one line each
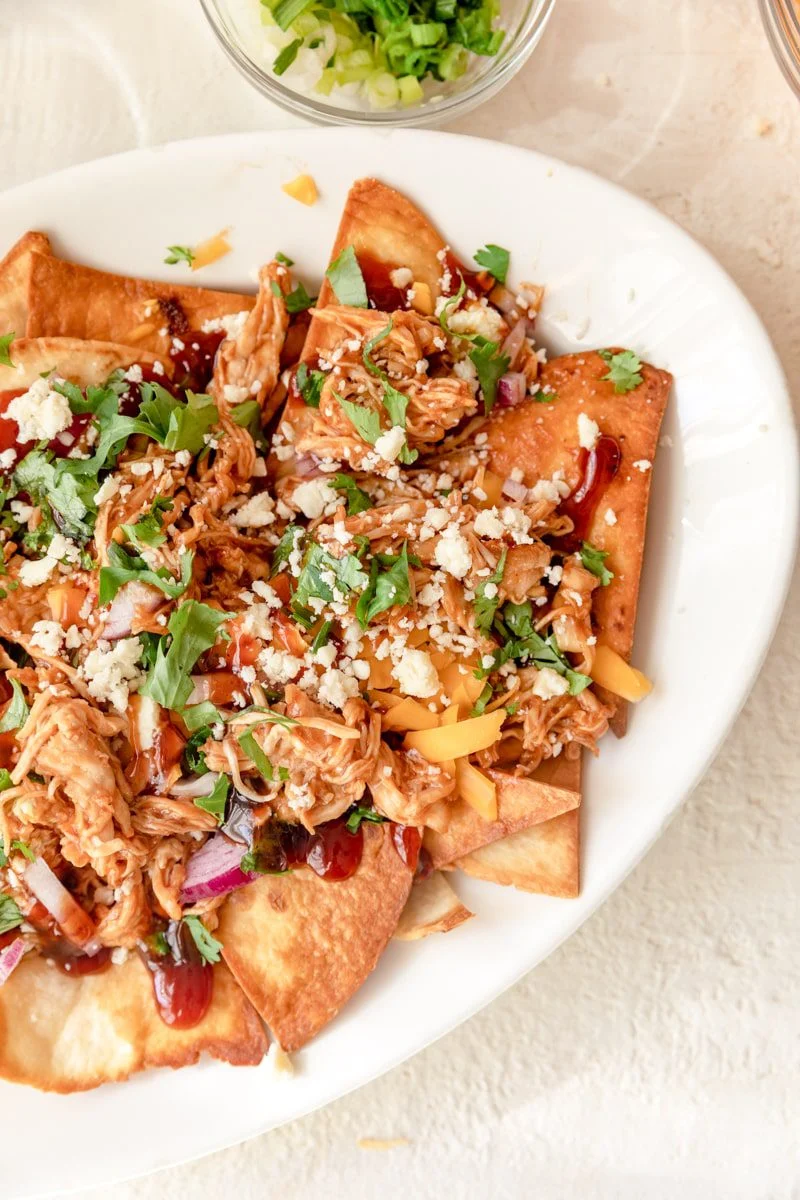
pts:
[357, 500]
[595, 561]
[309, 385]
[176, 254]
[10, 916]
[359, 814]
[205, 942]
[486, 606]
[624, 370]
[344, 276]
[193, 628]
[216, 800]
[494, 259]
[128, 568]
[5, 344]
[16, 714]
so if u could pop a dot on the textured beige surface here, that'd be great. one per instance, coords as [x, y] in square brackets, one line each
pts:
[656, 1055]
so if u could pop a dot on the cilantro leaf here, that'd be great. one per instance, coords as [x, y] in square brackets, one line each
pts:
[201, 716]
[491, 365]
[344, 276]
[309, 385]
[366, 423]
[359, 814]
[322, 573]
[5, 345]
[486, 606]
[194, 760]
[147, 530]
[10, 916]
[479, 706]
[595, 561]
[291, 538]
[205, 942]
[284, 59]
[193, 629]
[366, 354]
[323, 636]
[127, 568]
[23, 848]
[527, 646]
[493, 259]
[216, 799]
[176, 254]
[16, 714]
[624, 370]
[452, 303]
[395, 404]
[385, 589]
[284, 259]
[5, 783]
[357, 500]
[296, 301]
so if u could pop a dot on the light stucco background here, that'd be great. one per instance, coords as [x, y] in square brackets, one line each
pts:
[657, 1054]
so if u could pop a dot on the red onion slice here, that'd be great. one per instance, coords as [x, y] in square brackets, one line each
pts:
[194, 786]
[512, 389]
[307, 466]
[214, 870]
[76, 925]
[503, 299]
[514, 343]
[130, 598]
[11, 958]
[514, 490]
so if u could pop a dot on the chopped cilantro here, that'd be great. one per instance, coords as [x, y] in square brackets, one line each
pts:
[16, 714]
[322, 573]
[158, 943]
[541, 397]
[366, 423]
[296, 301]
[484, 698]
[292, 536]
[309, 385]
[486, 606]
[6, 782]
[23, 848]
[5, 349]
[205, 942]
[216, 800]
[493, 259]
[194, 760]
[176, 254]
[385, 589]
[491, 365]
[147, 530]
[260, 760]
[344, 276]
[193, 629]
[595, 561]
[527, 646]
[323, 636]
[199, 716]
[359, 814]
[10, 916]
[624, 370]
[357, 500]
[512, 709]
[127, 568]
[366, 354]
[284, 259]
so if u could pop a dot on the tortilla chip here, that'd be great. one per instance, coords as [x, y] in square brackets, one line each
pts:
[15, 270]
[544, 858]
[300, 946]
[432, 907]
[541, 858]
[84, 363]
[69, 300]
[60, 1033]
[384, 226]
[543, 438]
[520, 803]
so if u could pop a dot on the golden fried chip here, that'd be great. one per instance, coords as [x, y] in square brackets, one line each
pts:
[432, 907]
[15, 270]
[64, 1033]
[300, 946]
[540, 439]
[521, 802]
[544, 858]
[69, 300]
[84, 363]
[387, 232]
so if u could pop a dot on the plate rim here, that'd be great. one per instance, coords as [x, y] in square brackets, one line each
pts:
[784, 558]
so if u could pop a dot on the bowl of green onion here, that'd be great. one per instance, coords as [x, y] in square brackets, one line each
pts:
[378, 62]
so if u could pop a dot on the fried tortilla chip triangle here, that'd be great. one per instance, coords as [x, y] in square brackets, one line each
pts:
[432, 907]
[300, 946]
[15, 273]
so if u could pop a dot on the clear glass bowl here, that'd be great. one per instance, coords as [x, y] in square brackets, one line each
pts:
[237, 26]
[782, 22]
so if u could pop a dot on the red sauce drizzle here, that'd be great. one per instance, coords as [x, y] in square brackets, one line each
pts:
[83, 964]
[194, 360]
[407, 841]
[598, 467]
[331, 851]
[182, 983]
[382, 293]
[478, 282]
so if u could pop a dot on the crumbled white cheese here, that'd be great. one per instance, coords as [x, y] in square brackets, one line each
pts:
[548, 684]
[21, 511]
[416, 674]
[554, 573]
[267, 594]
[7, 459]
[479, 318]
[231, 324]
[37, 571]
[255, 513]
[336, 688]
[314, 497]
[147, 722]
[278, 665]
[108, 488]
[133, 374]
[40, 412]
[326, 655]
[183, 458]
[142, 467]
[488, 524]
[610, 517]
[643, 465]
[47, 636]
[233, 394]
[517, 524]
[452, 553]
[588, 431]
[389, 444]
[401, 277]
[111, 672]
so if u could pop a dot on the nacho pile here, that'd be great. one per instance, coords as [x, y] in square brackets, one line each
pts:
[306, 605]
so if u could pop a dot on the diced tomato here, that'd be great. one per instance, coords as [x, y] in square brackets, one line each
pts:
[243, 649]
[66, 602]
[286, 636]
[8, 746]
[282, 586]
[217, 686]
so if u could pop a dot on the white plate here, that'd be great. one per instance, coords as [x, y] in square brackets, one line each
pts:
[720, 548]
